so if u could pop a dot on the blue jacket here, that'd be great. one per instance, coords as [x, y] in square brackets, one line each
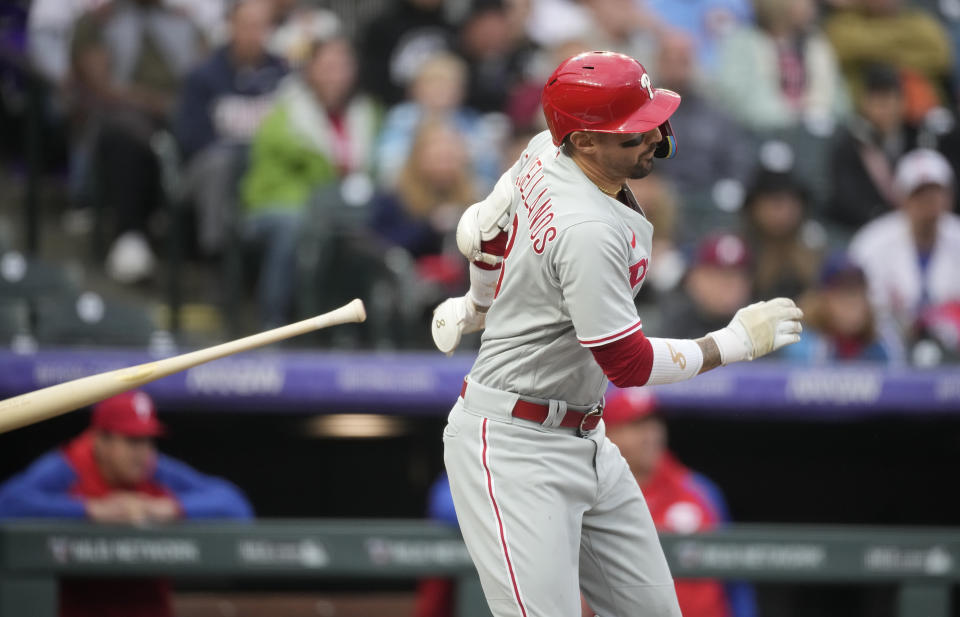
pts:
[43, 490]
[390, 219]
[220, 102]
[815, 348]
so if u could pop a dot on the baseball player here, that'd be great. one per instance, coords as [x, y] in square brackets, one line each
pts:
[546, 504]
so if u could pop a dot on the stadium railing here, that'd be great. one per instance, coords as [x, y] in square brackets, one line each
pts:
[924, 563]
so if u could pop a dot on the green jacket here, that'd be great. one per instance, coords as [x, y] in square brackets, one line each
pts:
[291, 156]
[911, 38]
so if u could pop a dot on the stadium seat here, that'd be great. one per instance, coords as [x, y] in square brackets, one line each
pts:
[807, 156]
[14, 319]
[338, 260]
[90, 319]
[31, 279]
[701, 214]
[182, 242]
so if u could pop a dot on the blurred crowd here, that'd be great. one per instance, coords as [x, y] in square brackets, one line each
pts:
[331, 147]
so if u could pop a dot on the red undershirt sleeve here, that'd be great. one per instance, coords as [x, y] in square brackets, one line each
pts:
[626, 362]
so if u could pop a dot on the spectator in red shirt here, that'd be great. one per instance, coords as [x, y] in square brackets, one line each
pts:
[680, 500]
[112, 473]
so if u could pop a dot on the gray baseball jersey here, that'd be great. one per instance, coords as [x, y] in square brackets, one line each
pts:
[575, 259]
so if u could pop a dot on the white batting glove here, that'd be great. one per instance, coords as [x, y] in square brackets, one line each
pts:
[759, 329]
[452, 319]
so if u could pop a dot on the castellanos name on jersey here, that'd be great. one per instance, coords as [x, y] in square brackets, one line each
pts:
[575, 259]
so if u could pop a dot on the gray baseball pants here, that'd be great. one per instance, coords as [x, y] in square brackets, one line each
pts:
[546, 513]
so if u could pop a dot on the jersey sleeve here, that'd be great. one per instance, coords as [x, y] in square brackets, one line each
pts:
[42, 491]
[202, 496]
[590, 264]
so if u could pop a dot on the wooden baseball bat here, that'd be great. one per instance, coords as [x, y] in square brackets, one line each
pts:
[59, 399]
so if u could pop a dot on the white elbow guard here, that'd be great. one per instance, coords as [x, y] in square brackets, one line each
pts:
[484, 220]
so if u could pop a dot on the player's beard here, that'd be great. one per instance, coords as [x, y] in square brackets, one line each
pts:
[643, 167]
[642, 170]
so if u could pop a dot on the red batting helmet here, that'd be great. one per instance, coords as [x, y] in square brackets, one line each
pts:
[607, 92]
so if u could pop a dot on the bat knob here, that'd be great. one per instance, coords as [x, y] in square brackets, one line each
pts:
[357, 310]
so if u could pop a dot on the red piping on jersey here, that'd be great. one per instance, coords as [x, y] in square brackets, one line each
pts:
[626, 362]
[506, 253]
[612, 337]
[496, 509]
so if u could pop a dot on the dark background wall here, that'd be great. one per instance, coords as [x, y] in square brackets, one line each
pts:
[890, 471]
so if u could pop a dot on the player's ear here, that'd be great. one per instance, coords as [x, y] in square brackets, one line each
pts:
[584, 141]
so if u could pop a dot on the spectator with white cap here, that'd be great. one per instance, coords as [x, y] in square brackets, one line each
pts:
[910, 255]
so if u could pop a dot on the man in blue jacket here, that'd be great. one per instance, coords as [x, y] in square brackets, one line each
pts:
[112, 473]
[220, 108]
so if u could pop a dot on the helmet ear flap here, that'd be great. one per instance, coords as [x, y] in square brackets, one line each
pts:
[667, 148]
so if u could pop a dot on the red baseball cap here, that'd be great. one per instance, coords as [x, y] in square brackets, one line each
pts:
[725, 250]
[132, 414]
[629, 405]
